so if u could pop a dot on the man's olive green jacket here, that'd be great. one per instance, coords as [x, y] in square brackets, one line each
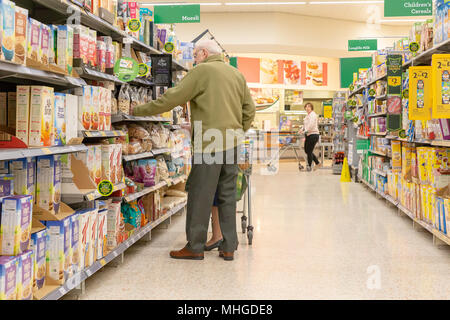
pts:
[220, 99]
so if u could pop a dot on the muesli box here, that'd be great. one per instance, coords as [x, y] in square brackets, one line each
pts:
[24, 172]
[40, 249]
[60, 119]
[23, 113]
[21, 28]
[41, 117]
[26, 274]
[8, 277]
[34, 40]
[8, 9]
[15, 230]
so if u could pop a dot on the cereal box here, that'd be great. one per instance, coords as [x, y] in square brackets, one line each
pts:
[57, 183]
[8, 34]
[53, 45]
[65, 48]
[118, 163]
[84, 108]
[84, 220]
[101, 55]
[34, 40]
[12, 109]
[108, 110]
[15, 229]
[76, 244]
[23, 113]
[60, 119]
[81, 43]
[71, 117]
[25, 287]
[45, 44]
[40, 249]
[45, 173]
[56, 250]
[92, 48]
[21, 35]
[113, 222]
[95, 108]
[92, 248]
[68, 270]
[3, 109]
[6, 185]
[8, 278]
[97, 170]
[101, 125]
[108, 163]
[41, 117]
[24, 172]
[4, 167]
[102, 231]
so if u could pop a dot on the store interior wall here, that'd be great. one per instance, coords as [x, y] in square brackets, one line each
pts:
[286, 33]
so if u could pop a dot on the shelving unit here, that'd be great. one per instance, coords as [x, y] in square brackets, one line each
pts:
[11, 154]
[162, 184]
[55, 292]
[380, 114]
[128, 118]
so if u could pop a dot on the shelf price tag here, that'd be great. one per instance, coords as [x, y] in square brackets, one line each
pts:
[441, 84]
[46, 151]
[420, 97]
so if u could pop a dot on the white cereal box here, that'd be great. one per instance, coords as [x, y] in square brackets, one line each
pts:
[23, 113]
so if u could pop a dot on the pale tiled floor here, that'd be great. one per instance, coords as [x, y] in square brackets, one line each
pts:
[315, 238]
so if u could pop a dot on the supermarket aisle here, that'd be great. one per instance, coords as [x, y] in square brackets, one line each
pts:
[314, 239]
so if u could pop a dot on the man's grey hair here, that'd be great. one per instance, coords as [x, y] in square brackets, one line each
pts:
[210, 45]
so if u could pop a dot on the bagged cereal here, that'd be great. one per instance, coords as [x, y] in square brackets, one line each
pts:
[124, 100]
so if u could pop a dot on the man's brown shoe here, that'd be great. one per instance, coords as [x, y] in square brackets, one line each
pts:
[186, 254]
[227, 256]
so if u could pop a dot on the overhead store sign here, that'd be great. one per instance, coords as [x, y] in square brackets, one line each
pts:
[408, 8]
[363, 45]
[177, 14]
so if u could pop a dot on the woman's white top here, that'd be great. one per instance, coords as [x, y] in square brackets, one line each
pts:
[311, 123]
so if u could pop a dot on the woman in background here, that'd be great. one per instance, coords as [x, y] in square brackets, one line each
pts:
[311, 127]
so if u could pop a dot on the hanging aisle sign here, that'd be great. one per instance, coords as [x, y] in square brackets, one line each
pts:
[408, 8]
[394, 91]
[177, 14]
[441, 84]
[420, 98]
[363, 45]
[328, 109]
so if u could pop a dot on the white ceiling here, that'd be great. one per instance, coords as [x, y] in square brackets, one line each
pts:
[370, 11]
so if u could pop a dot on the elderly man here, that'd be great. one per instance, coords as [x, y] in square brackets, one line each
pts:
[222, 109]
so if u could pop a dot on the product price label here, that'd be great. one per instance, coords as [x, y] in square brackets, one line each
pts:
[105, 188]
[372, 92]
[394, 81]
[441, 84]
[420, 97]
[134, 25]
[169, 47]
[414, 47]
[144, 70]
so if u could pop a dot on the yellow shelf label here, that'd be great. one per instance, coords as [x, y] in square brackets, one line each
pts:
[46, 151]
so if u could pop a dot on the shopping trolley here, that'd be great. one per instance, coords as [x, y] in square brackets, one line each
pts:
[245, 188]
[288, 141]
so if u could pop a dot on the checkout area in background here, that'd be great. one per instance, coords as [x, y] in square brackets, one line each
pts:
[279, 118]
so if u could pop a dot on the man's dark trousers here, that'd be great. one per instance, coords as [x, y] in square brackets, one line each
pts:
[205, 178]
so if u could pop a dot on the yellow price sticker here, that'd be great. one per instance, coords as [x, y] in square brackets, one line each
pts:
[89, 134]
[46, 151]
[103, 133]
[103, 262]
[394, 81]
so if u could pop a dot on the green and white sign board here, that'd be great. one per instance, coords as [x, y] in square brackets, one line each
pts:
[408, 8]
[363, 45]
[177, 14]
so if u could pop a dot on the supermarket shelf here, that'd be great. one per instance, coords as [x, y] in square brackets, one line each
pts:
[128, 118]
[425, 225]
[142, 82]
[425, 57]
[87, 195]
[377, 133]
[384, 97]
[77, 279]
[379, 114]
[378, 79]
[10, 154]
[378, 153]
[132, 157]
[160, 185]
[443, 143]
[359, 90]
[160, 151]
[362, 137]
[441, 236]
[91, 74]
[23, 75]
[104, 134]
[380, 173]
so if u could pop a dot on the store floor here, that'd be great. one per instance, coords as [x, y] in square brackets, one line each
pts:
[315, 238]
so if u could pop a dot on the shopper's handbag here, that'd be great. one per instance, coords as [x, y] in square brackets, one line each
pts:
[242, 185]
